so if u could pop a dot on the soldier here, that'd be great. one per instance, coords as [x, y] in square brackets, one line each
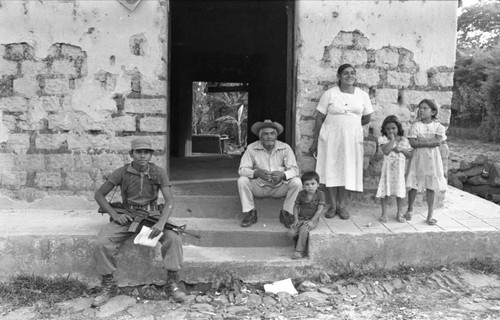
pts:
[140, 182]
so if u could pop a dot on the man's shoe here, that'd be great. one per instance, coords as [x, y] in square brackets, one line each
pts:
[286, 218]
[109, 290]
[172, 289]
[249, 219]
[344, 215]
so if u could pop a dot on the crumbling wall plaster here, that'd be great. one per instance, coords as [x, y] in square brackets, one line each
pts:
[403, 51]
[78, 81]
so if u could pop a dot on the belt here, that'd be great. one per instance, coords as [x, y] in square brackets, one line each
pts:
[149, 207]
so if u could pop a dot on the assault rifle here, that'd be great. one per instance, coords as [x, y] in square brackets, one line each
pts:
[147, 218]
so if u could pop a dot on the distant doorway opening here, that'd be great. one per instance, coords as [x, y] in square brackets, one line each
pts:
[219, 119]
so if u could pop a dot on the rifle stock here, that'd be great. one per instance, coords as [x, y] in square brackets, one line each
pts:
[148, 218]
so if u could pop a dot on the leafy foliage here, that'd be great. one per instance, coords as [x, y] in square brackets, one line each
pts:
[478, 26]
[476, 91]
[490, 128]
[220, 112]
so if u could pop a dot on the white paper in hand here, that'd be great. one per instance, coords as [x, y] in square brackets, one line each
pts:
[143, 238]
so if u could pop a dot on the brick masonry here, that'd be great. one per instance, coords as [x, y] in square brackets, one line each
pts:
[395, 82]
[54, 140]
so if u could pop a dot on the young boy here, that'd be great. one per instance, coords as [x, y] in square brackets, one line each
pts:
[307, 211]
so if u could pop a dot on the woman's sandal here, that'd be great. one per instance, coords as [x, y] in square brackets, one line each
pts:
[400, 218]
[408, 215]
[431, 222]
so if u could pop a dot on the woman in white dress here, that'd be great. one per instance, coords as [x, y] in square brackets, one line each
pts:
[338, 139]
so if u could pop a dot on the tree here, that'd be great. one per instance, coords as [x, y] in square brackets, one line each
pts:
[478, 27]
[490, 129]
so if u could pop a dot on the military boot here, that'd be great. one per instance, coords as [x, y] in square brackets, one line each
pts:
[109, 289]
[172, 289]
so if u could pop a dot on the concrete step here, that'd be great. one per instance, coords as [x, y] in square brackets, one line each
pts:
[229, 233]
[251, 264]
[223, 207]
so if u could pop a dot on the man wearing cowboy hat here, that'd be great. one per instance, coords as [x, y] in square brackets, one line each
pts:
[268, 168]
[139, 182]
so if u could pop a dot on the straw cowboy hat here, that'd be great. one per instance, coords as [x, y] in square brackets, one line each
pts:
[266, 124]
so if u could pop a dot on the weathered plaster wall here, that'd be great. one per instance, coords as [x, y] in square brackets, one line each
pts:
[403, 51]
[78, 80]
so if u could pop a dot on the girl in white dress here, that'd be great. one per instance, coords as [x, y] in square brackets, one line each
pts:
[426, 166]
[396, 149]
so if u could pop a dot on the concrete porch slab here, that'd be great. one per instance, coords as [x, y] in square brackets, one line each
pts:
[59, 242]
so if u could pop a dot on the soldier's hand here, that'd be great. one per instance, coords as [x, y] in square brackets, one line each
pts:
[120, 219]
[156, 230]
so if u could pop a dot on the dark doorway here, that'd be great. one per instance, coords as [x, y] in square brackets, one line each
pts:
[234, 41]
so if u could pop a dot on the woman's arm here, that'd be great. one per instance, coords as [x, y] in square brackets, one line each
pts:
[320, 118]
[366, 119]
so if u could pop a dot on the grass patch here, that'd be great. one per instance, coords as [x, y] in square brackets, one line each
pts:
[28, 290]
[487, 265]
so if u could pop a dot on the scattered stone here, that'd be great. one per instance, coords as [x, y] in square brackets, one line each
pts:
[203, 299]
[254, 300]
[241, 299]
[237, 310]
[378, 292]
[316, 297]
[481, 159]
[397, 283]
[308, 286]
[284, 298]
[220, 300]
[326, 290]
[353, 291]
[324, 278]
[388, 287]
[269, 301]
[89, 313]
[342, 290]
[202, 307]
[141, 310]
[21, 313]
[362, 288]
[115, 305]
[75, 305]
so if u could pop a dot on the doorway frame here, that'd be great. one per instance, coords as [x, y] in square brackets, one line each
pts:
[291, 80]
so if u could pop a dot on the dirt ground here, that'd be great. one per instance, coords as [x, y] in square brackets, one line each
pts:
[456, 293]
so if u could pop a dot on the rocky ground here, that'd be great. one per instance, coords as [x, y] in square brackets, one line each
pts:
[457, 293]
[468, 150]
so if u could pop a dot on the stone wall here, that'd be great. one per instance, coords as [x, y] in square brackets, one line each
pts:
[78, 81]
[403, 51]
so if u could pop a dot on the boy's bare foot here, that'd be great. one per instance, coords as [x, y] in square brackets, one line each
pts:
[400, 218]
[383, 219]
[408, 215]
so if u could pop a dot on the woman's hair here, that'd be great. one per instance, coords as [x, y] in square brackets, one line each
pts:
[431, 105]
[342, 68]
[309, 175]
[392, 119]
